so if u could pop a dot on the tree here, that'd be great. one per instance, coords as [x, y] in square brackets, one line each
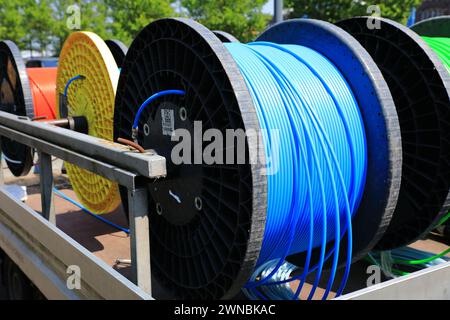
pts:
[128, 17]
[12, 22]
[39, 24]
[335, 10]
[93, 17]
[244, 18]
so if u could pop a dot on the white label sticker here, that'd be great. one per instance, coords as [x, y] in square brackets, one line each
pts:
[168, 122]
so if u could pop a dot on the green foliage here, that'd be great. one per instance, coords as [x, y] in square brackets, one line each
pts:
[242, 18]
[93, 17]
[130, 16]
[398, 10]
[41, 25]
[12, 22]
[335, 10]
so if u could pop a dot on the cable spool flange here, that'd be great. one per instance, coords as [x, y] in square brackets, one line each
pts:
[420, 86]
[205, 251]
[86, 54]
[15, 98]
[225, 37]
[118, 50]
[433, 27]
[380, 121]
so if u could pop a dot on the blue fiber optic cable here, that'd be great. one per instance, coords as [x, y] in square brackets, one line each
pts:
[98, 217]
[150, 100]
[323, 156]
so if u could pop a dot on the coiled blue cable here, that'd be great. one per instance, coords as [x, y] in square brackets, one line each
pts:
[311, 119]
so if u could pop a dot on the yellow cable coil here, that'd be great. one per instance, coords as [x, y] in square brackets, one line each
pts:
[86, 54]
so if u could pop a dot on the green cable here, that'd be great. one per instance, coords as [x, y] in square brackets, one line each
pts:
[423, 261]
[442, 48]
[444, 220]
[400, 272]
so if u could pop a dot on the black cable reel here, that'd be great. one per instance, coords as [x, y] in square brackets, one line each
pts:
[207, 245]
[420, 86]
[15, 98]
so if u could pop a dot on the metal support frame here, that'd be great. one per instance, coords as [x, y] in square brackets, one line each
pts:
[140, 240]
[429, 284]
[46, 181]
[2, 176]
[110, 160]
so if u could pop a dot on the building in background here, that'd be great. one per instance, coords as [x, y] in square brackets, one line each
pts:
[433, 8]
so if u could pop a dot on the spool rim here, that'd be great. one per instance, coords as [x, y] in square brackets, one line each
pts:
[402, 222]
[23, 98]
[118, 50]
[380, 120]
[231, 85]
[433, 27]
[225, 37]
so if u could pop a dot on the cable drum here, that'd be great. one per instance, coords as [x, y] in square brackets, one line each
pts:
[15, 98]
[28, 92]
[43, 88]
[384, 150]
[436, 33]
[87, 77]
[420, 86]
[328, 130]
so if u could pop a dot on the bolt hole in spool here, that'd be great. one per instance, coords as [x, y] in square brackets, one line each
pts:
[183, 114]
[213, 253]
[146, 129]
[420, 86]
[86, 85]
[28, 92]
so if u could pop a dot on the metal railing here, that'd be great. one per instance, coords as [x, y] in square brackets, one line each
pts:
[113, 161]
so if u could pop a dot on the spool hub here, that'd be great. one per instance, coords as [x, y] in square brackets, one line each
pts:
[15, 98]
[205, 244]
[380, 122]
[86, 54]
[420, 86]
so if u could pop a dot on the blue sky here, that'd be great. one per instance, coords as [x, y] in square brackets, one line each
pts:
[268, 8]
